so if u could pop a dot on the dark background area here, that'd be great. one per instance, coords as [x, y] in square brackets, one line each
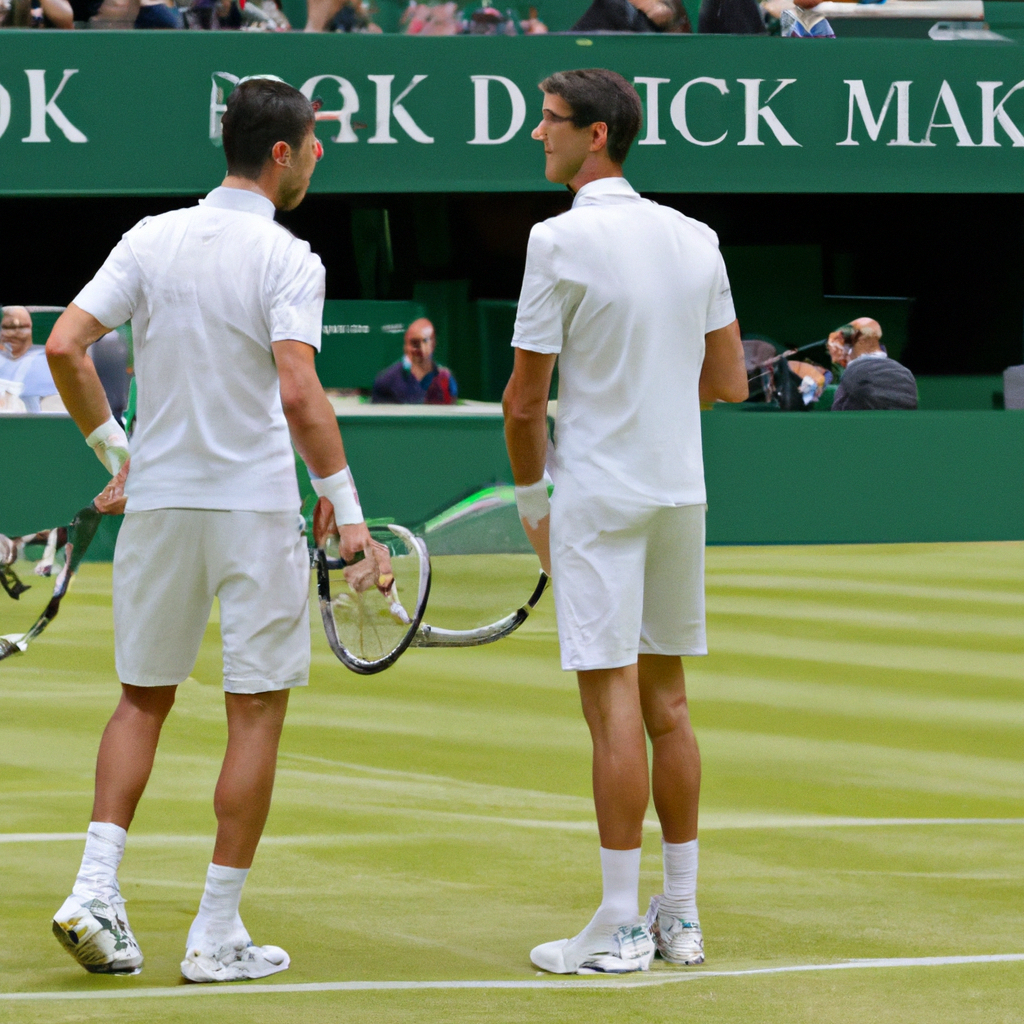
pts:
[961, 258]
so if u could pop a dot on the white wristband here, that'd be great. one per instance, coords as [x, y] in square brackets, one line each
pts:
[110, 443]
[340, 491]
[533, 502]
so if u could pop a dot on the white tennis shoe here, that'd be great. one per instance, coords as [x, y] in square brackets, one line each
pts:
[678, 941]
[97, 934]
[623, 951]
[238, 959]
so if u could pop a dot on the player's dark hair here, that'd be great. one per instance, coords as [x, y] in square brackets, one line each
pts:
[260, 113]
[597, 94]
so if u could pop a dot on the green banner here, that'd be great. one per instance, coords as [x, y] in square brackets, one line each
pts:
[138, 112]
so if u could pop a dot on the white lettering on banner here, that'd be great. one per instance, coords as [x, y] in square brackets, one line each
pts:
[858, 95]
[652, 138]
[218, 101]
[990, 113]
[754, 113]
[956, 120]
[386, 107]
[41, 108]
[5, 110]
[349, 104]
[346, 328]
[678, 113]
[482, 110]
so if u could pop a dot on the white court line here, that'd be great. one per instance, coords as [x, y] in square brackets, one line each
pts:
[753, 823]
[642, 981]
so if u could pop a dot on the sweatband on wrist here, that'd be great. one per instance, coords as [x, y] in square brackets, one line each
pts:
[110, 443]
[533, 502]
[340, 491]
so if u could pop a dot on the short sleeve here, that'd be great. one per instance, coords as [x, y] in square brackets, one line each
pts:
[539, 326]
[297, 303]
[721, 311]
[112, 295]
[38, 380]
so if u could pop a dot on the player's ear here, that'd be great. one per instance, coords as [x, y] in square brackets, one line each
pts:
[598, 136]
[282, 154]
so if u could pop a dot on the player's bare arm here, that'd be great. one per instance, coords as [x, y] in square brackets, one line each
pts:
[525, 404]
[314, 428]
[723, 377]
[73, 372]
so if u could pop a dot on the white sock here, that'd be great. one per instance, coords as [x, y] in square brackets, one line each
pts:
[620, 876]
[218, 918]
[104, 848]
[680, 866]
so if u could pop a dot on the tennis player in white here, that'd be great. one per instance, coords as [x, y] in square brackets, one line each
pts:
[633, 300]
[226, 310]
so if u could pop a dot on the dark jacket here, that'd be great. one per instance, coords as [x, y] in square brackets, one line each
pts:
[875, 384]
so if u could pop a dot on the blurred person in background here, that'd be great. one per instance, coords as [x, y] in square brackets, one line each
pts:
[635, 16]
[158, 14]
[416, 379]
[871, 380]
[25, 363]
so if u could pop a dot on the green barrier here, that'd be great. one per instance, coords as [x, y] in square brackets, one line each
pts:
[360, 338]
[139, 112]
[772, 479]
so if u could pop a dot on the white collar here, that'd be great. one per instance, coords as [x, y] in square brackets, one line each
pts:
[595, 190]
[871, 355]
[241, 199]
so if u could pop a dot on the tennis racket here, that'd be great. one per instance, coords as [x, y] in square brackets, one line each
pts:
[366, 624]
[79, 535]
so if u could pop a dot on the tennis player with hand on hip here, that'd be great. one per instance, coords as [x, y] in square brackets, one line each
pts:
[633, 300]
[226, 310]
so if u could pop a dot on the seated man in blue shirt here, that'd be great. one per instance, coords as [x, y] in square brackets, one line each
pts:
[25, 363]
[416, 378]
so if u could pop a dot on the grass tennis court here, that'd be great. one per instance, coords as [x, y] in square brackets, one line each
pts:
[434, 822]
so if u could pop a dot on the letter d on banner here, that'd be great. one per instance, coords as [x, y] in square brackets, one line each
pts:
[482, 110]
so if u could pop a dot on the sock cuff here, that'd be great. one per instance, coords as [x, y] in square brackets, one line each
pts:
[221, 873]
[109, 831]
[679, 847]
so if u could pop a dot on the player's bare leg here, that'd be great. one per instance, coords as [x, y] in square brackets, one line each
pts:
[246, 784]
[611, 706]
[127, 750]
[615, 940]
[219, 946]
[675, 770]
[676, 786]
[92, 924]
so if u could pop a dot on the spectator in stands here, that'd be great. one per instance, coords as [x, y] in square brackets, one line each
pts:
[731, 17]
[158, 14]
[25, 363]
[37, 14]
[635, 16]
[871, 380]
[110, 357]
[416, 378]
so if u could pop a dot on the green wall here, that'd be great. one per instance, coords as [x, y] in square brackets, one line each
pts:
[139, 111]
[772, 479]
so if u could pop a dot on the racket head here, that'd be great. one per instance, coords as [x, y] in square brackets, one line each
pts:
[435, 636]
[363, 629]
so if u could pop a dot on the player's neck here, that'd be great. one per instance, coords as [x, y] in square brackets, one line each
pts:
[593, 170]
[260, 187]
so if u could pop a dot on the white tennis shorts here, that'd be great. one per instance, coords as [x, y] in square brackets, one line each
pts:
[627, 581]
[169, 565]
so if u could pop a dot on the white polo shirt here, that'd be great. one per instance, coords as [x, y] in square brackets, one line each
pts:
[624, 290]
[207, 289]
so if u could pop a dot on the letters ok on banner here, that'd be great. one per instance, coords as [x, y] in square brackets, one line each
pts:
[124, 113]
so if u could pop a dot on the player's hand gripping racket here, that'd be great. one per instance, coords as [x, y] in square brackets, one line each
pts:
[367, 625]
